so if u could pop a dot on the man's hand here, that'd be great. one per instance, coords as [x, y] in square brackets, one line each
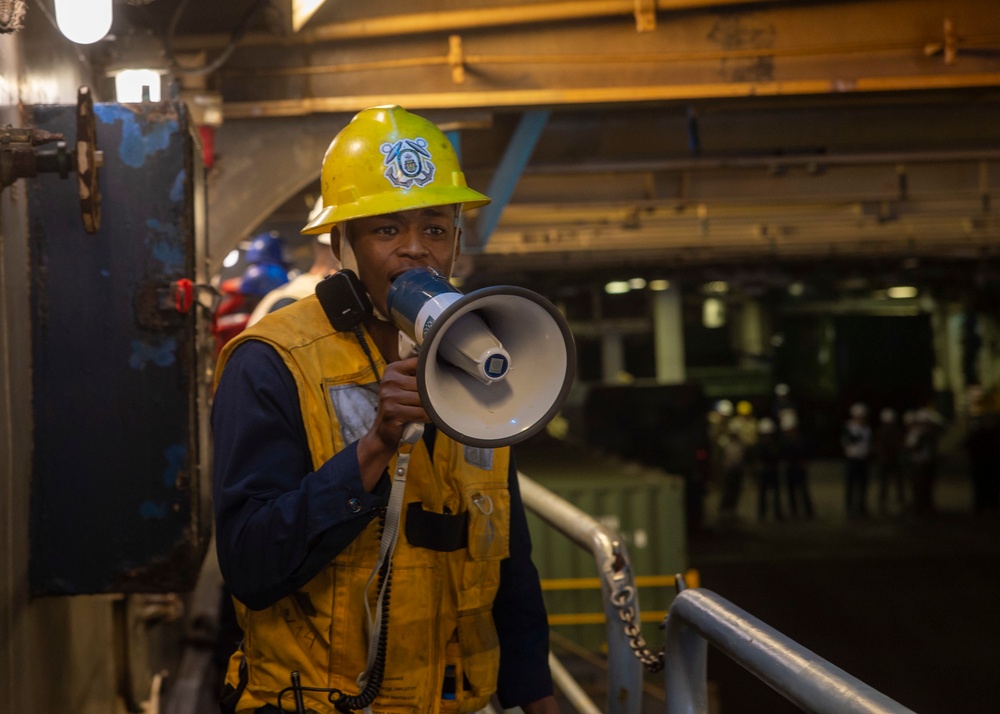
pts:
[398, 405]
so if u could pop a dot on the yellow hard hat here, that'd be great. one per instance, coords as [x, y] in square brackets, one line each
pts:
[388, 160]
[744, 408]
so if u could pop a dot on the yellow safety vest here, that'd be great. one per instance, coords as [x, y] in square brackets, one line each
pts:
[441, 602]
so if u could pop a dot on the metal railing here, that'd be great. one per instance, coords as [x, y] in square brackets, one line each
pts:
[696, 618]
[699, 617]
[617, 586]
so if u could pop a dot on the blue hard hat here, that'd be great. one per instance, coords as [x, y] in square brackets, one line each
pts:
[266, 247]
[262, 278]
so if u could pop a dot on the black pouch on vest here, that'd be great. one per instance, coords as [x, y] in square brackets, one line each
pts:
[443, 532]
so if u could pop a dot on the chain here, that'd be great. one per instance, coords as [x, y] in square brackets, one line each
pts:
[623, 601]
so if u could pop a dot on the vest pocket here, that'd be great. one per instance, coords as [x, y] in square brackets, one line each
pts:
[489, 522]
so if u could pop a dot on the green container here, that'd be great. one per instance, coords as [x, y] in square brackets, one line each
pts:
[644, 506]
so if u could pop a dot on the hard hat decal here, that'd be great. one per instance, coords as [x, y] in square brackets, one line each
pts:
[408, 163]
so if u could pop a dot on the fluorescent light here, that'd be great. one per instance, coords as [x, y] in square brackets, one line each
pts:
[902, 291]
[796, 289]
[83, 21]
[617, 287]
[659, 285]
[129, 84]
[637, 283]
[231, 258]
[719, 287]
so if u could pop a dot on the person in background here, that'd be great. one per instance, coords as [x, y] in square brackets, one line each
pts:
[983, 446]
[232, 313]
[888, 449]
[734, 465]
[922, 446]
[266, 271]
[718, 429]
[324, 263]
[856, 441]
[747, 423]
[793, 458]
[909, 428]
[313, 533]
[766, 461]
[783, 402]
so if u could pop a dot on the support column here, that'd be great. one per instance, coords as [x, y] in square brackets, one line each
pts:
[748, 333]
[612, 357]
[668, 336]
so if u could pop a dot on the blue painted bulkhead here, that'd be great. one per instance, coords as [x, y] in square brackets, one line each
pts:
[116, 500]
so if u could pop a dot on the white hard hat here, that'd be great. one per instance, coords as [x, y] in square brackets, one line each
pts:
[789, 419]
[781, 390]
[859, 410]
[887, 416]
[724, 407]
[765, 425]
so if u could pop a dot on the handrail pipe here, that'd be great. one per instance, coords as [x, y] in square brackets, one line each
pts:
[698, 617]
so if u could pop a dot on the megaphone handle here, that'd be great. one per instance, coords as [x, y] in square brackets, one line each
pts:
[412, 433]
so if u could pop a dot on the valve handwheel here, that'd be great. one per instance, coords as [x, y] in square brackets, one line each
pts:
[88, 161]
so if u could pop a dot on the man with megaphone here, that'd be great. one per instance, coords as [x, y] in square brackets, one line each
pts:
[376, 562]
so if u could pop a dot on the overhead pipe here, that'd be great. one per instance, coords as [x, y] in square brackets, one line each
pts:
[602, 95]
[767, 162]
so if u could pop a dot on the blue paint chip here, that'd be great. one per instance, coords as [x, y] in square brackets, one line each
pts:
[136, 146]
[149, 510]
[175, 455]
[163, 354]
[177, 190]
[171, 255]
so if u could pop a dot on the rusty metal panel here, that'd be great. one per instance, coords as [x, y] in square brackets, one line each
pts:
[118, 499]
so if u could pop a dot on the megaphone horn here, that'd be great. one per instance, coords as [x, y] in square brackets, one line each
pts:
[494, 366]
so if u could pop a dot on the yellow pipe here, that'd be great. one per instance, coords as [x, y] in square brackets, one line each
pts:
[597, 618]
[691, 578]
[586, 58]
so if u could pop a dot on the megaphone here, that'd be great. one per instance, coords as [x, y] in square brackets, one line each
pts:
[494, 366]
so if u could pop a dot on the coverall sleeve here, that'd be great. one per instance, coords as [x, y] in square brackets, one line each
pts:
[519, 614]
[278, 522]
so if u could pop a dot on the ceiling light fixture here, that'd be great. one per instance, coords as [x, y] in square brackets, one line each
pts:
[617, 287]
[83, 21]
[302, 11]
[137, 85]
[137, 63]
[902, 292]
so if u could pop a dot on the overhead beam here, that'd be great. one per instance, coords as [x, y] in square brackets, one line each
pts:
[606, 95]
[508, 172]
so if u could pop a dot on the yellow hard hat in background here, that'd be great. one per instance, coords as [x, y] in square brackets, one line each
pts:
[744, 408]
[387, 160]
